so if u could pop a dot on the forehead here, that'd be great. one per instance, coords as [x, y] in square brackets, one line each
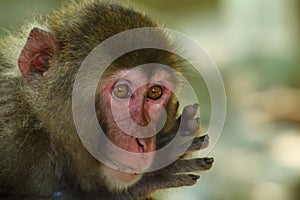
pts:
[142, 76]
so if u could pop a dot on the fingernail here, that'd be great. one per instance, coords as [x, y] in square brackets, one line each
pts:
[194, 177]
[202, 138]
[196, 140]
[208, 160]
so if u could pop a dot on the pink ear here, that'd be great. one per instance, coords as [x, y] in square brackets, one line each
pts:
[39, 48]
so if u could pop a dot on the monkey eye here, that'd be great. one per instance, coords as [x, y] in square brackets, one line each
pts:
[121, 91]
[155, 92]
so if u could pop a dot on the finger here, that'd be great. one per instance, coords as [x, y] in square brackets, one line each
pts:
[190, 111]
[199, 143]
[162, 181]
[190, 127]
[192, 165]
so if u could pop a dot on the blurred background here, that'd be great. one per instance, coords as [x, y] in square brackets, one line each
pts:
[255, 44]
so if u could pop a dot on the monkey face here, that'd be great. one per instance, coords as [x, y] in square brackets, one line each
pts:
[133, 103]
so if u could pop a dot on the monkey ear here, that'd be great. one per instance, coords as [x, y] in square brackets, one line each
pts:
[35, 55]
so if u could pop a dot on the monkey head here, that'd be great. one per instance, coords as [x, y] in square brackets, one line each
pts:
[126, 99]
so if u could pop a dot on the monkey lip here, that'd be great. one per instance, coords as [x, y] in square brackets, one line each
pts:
[142, 145]
[138, 158]
[129, 169]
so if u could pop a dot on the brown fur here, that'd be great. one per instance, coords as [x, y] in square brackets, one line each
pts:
[40, 152]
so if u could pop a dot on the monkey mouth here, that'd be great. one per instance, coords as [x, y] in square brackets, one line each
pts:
[127, 169]
[138, 155]
[140, 145]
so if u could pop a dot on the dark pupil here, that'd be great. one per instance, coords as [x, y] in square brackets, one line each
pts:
[154, 90]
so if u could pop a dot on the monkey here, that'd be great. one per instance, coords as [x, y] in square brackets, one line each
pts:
[42, 156]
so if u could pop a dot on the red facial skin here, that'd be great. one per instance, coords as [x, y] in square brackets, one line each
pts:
[138, 105]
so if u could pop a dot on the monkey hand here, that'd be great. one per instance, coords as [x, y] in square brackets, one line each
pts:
[180, 172]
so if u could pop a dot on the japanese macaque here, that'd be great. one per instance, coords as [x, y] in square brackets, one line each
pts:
[41, 154]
